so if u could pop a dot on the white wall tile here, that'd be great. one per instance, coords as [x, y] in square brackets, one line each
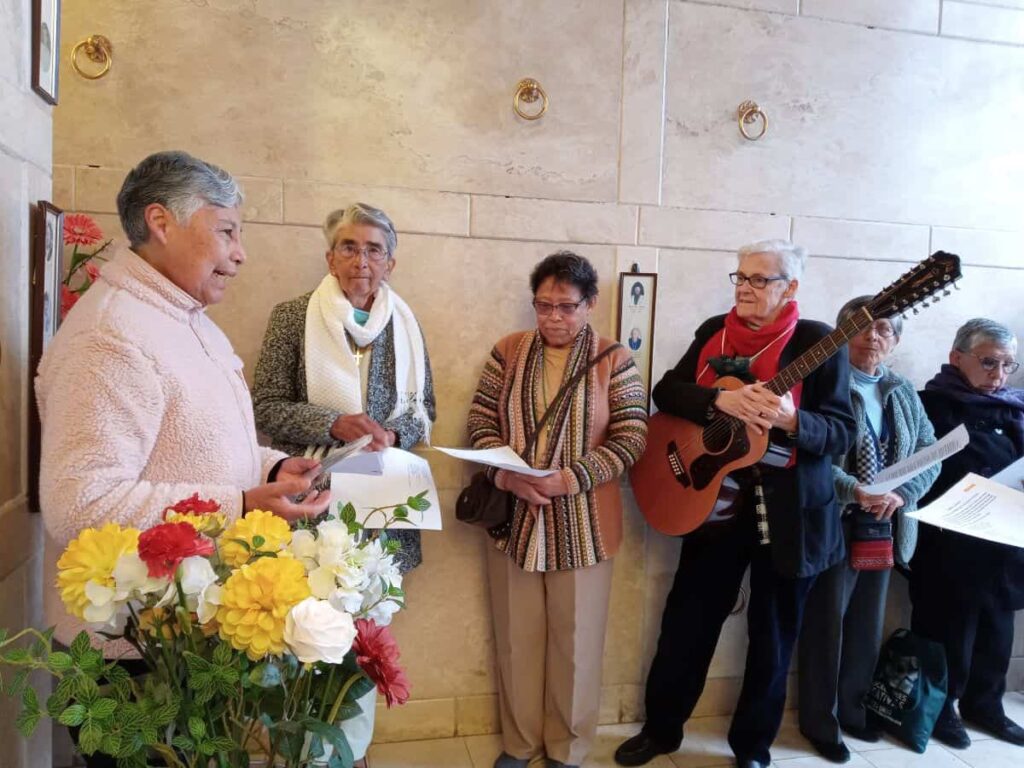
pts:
[983, 22]
[709, 230]
[27, 129]
[781, 6]
[521, 219]
[917, 15]
[864, 124]
[96, 188]
[986, 248]
[412, 210]
[643, 95]
[861, 240]
[626, 256]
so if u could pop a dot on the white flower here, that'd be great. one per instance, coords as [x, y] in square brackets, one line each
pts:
[322, 582]
[315, 631]
[334, 542]
[304, 547]
[195, 574]
[132, 575]
[102, 605]
[209, 599]
[348, 600]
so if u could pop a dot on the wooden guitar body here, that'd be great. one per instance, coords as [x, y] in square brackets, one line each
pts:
[678, 479]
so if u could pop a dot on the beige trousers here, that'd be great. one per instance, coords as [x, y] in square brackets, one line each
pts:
[549, 641]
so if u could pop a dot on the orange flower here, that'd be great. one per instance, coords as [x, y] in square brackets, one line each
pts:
[80, 229]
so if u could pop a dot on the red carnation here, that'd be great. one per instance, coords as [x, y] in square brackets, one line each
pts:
[67, 300]
[163, 547]
[377, 653]
[193, 505]
[80, 229]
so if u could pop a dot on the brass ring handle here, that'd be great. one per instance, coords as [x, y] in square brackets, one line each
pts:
[748, 113]
[529, 90]
[98, 49]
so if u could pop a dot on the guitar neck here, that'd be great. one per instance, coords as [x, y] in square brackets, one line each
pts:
[821, 351]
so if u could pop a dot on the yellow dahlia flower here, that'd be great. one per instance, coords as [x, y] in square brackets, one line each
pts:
[274, 531]
[209, 524]
[91, 558]
[255, 602]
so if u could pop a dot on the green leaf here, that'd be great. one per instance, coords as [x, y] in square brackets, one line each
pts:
[348, 513]
[59, 662]
[164, 714]
[196, 728]
[111, 744]
[183, 743]
[73, 715]
[90, 738]
[222, 744]
[3, 635]
[79, 646]
[92, 662]
[17, 683]
[258, 541]
[86, 690]
[401, 513]
[103, 709]
[222, 655]
[243, 544]
[266, 675]
[27, 721]
[16, 656]
[419, 502]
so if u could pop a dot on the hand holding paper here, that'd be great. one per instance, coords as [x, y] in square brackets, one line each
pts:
[502, 458]
[894, 476]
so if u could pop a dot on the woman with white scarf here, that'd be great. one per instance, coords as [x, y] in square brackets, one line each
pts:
[347, 360]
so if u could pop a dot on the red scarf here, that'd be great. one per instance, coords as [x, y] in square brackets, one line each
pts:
[738, 338]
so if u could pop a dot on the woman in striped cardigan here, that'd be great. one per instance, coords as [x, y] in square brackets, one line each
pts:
[550, 567]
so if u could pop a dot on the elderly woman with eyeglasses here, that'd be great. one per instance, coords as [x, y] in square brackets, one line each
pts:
[762, 334]
[842, 631]
[348, 360]
[550, 566]
[965, 590]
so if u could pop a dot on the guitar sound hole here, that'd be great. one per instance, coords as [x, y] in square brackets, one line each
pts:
[718, 435]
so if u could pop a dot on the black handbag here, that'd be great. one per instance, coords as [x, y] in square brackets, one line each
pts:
[483, 503]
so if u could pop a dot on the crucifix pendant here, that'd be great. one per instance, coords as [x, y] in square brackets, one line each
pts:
[359, 355]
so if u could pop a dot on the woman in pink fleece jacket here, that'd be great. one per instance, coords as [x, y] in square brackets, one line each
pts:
[141, 396]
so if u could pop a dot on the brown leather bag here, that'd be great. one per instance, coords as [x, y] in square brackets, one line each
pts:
[483, 503]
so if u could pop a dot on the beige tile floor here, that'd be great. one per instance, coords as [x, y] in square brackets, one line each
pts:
[705, 747]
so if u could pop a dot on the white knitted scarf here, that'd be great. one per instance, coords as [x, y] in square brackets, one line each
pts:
[332, 372]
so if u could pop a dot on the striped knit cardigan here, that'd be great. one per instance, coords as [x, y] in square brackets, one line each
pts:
[596, 434]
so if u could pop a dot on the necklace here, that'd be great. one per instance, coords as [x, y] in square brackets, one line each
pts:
[357, 351]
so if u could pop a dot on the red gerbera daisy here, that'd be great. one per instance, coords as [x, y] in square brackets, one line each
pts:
[377, 653]
[67, 300]
[80, 229]
[92, 271]
[163, 547]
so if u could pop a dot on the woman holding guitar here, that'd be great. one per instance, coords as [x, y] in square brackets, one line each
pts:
[784, 521]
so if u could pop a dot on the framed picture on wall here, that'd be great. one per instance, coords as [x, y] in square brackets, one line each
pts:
[45, 279]
[637, 296]
[46, 48]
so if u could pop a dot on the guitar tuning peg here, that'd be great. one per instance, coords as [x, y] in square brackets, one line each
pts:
[947, 292]
[956, 286]
[904, 315]
[925, 304]
[916, 311]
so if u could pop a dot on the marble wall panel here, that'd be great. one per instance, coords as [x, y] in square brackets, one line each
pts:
[15, 19]
[26, 132]
[518, 219]
[64, 187]
[982, 247]
[708, 230]
[982, 22]
[306, 89]
[862, 239]
[14, 238]
[874, 130]
[916, 15]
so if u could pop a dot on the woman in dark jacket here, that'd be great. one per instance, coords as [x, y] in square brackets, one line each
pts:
[808, 427]
[965, 589]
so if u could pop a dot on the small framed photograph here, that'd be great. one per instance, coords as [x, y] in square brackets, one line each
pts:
[46, 277]
[46, 48]
[637, 296]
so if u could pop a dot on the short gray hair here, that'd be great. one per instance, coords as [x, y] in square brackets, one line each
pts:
[979, 330]
[361, 213]
[792, 258]
[181, 183]
[849, 309]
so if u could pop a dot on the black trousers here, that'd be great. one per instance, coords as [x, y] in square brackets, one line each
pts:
[707, 582]
[977, 634]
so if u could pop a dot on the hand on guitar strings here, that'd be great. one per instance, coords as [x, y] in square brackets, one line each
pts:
[881, 505]
[753, 404]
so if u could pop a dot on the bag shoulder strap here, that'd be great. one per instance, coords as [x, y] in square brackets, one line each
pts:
[568, 387]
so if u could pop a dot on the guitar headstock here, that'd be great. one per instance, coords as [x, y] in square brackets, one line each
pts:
[923, 283]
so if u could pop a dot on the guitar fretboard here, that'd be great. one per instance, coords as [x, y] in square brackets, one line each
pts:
[822, 350]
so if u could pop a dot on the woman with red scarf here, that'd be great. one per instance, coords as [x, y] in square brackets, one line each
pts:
[808, 427]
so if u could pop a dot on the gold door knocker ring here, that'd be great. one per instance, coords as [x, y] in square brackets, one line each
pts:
[98, 49]
[748, 113]
[528, 90]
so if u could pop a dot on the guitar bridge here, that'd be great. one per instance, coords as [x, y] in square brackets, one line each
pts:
[676, 464]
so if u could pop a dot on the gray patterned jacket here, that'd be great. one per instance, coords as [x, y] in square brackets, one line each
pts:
[284, 414]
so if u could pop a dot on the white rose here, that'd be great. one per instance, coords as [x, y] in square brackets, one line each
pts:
[334, 542]
[315, 631]
[347, 600]
[304, 547]
[206, 605]
[196, 574]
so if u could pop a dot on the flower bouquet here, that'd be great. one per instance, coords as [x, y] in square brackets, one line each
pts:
[80, 230]
[256, 639]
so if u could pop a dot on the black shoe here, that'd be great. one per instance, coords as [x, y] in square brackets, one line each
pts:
[834, 753]
[639, 750]
[867, 733]
[1002, 727]
[505, 760]
[751, 763]
[949, 729]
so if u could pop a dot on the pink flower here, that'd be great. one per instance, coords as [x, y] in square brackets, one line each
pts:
[67, 300]
[377, 654]
[92, 271]
[80, 229]
[163, 547]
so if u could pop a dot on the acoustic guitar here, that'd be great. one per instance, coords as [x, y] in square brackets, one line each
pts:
[678, 480]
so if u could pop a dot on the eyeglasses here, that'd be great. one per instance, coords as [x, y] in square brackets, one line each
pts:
[756, 281]
[544, 308]
[373, 252]
[989, 364]
[883, 328]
